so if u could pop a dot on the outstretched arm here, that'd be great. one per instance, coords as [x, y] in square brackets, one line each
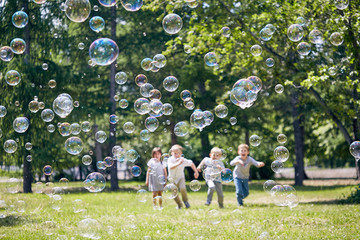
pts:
[147, 178]
[200, 165]
[175, 165]
[196, 173]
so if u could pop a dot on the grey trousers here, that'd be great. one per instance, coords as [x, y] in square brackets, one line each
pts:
[182, 187]
[214, 185]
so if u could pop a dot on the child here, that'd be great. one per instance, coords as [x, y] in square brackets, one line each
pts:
[156, 169]
[242, 165]
[213, 166]
[176, 165]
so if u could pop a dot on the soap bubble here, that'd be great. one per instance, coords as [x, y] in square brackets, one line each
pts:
[63, 105]
[279, 88]
[47, 170]
[20, 19]
[172, 23]
[73, 145]
[135, 171]
[210, 59]
[185, 94]
[192, 4]
[12, 78]
[100, 165]
[171, 83]
[145, 89]
[281, 138]
[155, 94]
[77, 10]
[51, 128]
[187, 49]
[28, 146]
[271, 27]
[10, 146]
[29, 158]
[6, 53]
[266, 34]
[13, 185]
[147, 64]
[78, 206]
[336, 39]
[332, 71]
[85, 126]
[145, 135]
[39, 1]
[56, 202]
[256, 50]
[65, 129]
[195, 185]
[123, 103]
[156, 105]
[107, 3]
[129, 127]
[113, 119]
[97, 23]
[132, 5]
[277, 166]
[226, 175]
[167, 108]
[81, 46]
[159, 60]
[89, 228]
[34, 106]
[142, 195]
[142, 106]
[341, 4]
[214, 217]
[2, 111]
[103, 51]
[75, 129]
[131, 155]
[151, 123]
[45, 66]
[95, 182]
[233, 121]
[86, 160]
[108, 161]
[21, 124]
[170, 191]
[270, 62]
[140, 79]
[255, 140]
[100, 136]
[295, 32]
[316, 37]
[225, 31]
[303, 48]
[281, 153]
[121, 78]
[355, 149]
[181, 129]
[221, 111]
[268, 185]
[18, 45]
[47, 115]
[301, 21]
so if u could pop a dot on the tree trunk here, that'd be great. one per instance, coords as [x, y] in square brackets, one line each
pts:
[204, 136]
[357, 169]
[173, 136]
[299, 133]
[112, 138]
[98, 152]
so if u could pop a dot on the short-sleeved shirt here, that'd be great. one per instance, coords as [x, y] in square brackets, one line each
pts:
[243, 172]
[178, 172]
[212, 169]
[156, 175]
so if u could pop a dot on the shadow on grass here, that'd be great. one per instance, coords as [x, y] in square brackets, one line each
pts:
[11, 220]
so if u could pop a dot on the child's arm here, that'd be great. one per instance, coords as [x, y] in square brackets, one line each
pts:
[178, 163]
[236, 161]
[201, 165]
[261, 164]
[196, 173]
[147, 178]
[165, 174]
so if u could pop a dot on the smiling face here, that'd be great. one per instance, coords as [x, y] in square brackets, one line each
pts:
[176, 153]
[215, 155]
[157, 155]
[243, 153]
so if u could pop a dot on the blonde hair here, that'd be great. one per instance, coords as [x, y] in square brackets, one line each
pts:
[244, 146]
[176, 147]
[216, 150]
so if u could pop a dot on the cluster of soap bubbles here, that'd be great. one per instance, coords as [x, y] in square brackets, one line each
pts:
[266, 33]
[281, 195]
[244, 91]
[154, 64]
[200, 119]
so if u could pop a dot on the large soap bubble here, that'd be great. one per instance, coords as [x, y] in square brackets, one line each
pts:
[181, 129]
[95, 182]
[151, 123]
[172, 23]
[74, 145]
[77, 10]
[295, 32]
[355, 149]
[97, 23]
[63, 105]
[6, 53]
[129, 127]
[221, 111]
[171, 83]
[142, 106]
[47, 115]
[12, 77]
[20, 19]
[18, 45]
[131, 155]
[316, 37]
[10, 146]
[132, 5]
[103, 51]
[281, 153]
[21, 124]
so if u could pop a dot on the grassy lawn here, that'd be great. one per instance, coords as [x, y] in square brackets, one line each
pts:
[121, 216]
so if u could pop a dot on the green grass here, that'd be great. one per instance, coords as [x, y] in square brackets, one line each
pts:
[316, 217]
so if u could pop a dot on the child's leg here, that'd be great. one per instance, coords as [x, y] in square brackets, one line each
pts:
[220, 194]
[239, 191]
[182, 188]
[245, 184]
[211, 189]
[177, 198]
[159, 193]
[154, 198]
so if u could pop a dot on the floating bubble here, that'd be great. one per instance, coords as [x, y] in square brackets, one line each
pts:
[63, 105]
[28, 146]
[187, 49]
[161, 178]
[233, 121]
[73, 145]
[341, 4]
[170, 191]
[151, 123]
[181, 129]
[18, 45]
[172, 23]
[129, 127]
[123, 103]
[281, 153]
[86, 160]
[45, 66]
[12, 78]
[47, 170]
[103, 51]
[156, 105]
[75, 128]
[135, 171]
[159, 60]
[226, 175]
[214, 217]
[170, 83]
[113, 119]
[140, 79]
[145, 89]
[34, 106]
[108, 161]
[255, 140]
[142, 106]
[221, 111]
[20, 19]
[100, 165]
[281, 138]
[210, 59]
[155, 94]
[355, 149]
[97, 23]
[208, 117]
[77, 10]
[52, 83]
[301, 21]
[225, 31]
[47, 115]
[195, 185]
[147, 64]
[303, 48]
[279, 88]
[10, 146]
[185, 94]
[142, 195]
[277, 166]
[100, 136]
[65, 129]
[89, 228]
[95, 182]
[132, 5]
[21, 124]
[85, 126]
[6, 53]
[131, 155]
[256, 50]
[2, 111]
[271, 27]
[295, 32]
[266, 34]
[336, 39]
[167, 108]
[332, 71]
[145, 135]
[192, 4]
[81, 46]
[270, 62]
[121, 78]
[268, 185]
[51, 128]
[107, 3]
[316, 37]
[13, 185]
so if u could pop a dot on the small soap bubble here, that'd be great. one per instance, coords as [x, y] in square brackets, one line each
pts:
[336, 39]
[316, 37]
[121, 78]
[100, 136]
[279, 88]
[210, 59]
[123, 103]
[135, 171]
[77, 10]
[20, 19]
[221, 111]
[303, 48]
[281, 138]
[270, 62]
[225, 31]
[172, 23]
[170, 83]
[47, 170]
[255, 140]
[86, 160]
[159, 60]
[301, 21]
[277, 166]
[233, 121]
[129, 127]
[256, 50]
[195, 185]
[97, 23]
[131, 5]
[295, 32]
